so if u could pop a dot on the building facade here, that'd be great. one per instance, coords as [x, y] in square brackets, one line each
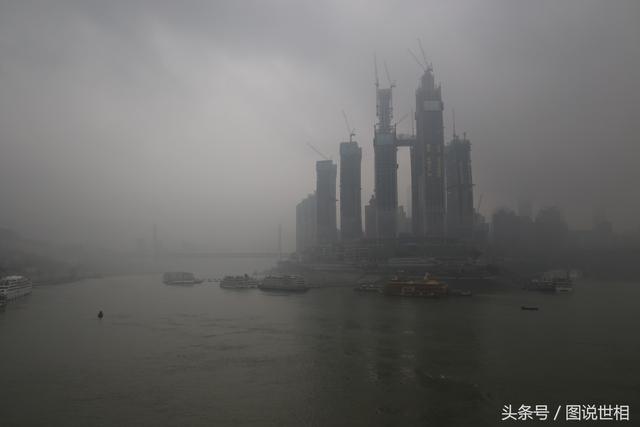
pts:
[306, 224]
[460, 211]
[385, 166]
[350, 191]
[427, 161]
[326, 221]
[371, 219]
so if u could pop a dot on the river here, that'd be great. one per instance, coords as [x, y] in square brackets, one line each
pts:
[205, 356]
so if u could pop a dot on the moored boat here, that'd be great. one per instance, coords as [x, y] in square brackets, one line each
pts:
[427, 287]
[12, 287]
[552, 282]
[239, 282]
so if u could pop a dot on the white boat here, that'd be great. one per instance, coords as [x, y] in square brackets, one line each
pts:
[239, 282]
[12, 287]
[287, 283]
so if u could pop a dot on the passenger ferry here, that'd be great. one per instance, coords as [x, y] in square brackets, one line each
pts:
[426, 287]
[12, 287]
[287, 283]
[239, 282]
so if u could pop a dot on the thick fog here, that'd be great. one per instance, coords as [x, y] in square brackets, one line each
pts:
[196, 115]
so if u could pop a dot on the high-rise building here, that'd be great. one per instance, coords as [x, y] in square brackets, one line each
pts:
[427, 161]
[386, 165]
[306, 223]
[370, 219]
[350, 189]
[460, 212]
[326, 230]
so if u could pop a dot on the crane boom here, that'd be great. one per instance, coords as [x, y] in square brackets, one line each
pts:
[424, 68]
[386, 70]
[401, 119]
[350, 130]
[375, 69]
[423, 54]
[317, 151]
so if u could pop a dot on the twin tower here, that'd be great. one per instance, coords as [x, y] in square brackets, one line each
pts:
[427, 150]
[441, 180]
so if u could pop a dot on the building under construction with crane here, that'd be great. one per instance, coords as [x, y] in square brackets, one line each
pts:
[386, 162]
[441, 181]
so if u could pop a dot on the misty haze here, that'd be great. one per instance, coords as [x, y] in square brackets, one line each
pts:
[319, 213]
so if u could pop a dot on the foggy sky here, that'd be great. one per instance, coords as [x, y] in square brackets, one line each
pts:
[195, 115]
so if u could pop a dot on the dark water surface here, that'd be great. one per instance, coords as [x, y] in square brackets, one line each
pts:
[204, 356]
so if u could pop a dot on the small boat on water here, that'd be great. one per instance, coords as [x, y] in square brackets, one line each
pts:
[426, 287]
[529, 307]
[181, 278]
[239, 282]
[284, 283]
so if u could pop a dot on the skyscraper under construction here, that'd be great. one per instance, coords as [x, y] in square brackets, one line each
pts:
[350, 190]
[460, 212]
[326, 231]
[386, 165]
[427, 160]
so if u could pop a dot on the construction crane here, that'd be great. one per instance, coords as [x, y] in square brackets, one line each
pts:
[386, 70]
[401, 119]
[375, 69]
[318, 151]
[413, 55]
[351, 131]
[424, 57]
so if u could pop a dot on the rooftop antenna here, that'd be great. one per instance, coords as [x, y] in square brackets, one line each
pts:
[413, 55]
[386, 70]
[350, 130]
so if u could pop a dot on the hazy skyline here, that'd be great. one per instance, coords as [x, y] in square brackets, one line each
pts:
[196, 115]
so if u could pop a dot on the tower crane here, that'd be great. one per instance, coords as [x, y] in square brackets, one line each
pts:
[386, 70]
[351, 131]
[318, 151]
[413, 55]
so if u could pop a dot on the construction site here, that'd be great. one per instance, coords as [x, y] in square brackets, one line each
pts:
[442, 221]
